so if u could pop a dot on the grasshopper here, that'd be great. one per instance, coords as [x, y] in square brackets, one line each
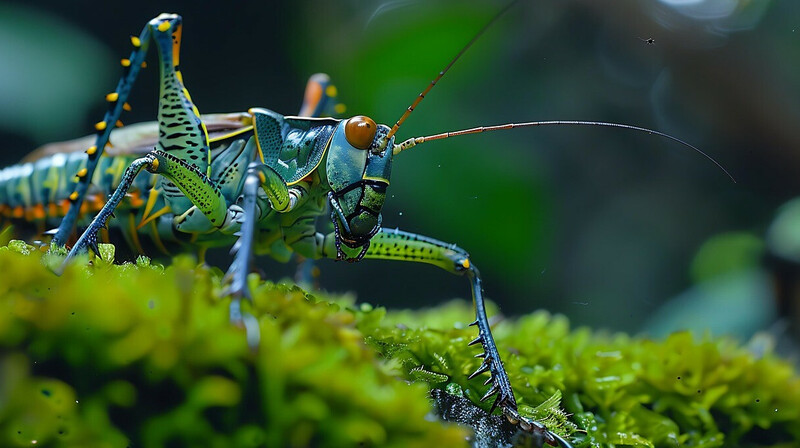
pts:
[254, 180]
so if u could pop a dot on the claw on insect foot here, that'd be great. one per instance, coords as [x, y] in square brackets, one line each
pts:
[534, 427]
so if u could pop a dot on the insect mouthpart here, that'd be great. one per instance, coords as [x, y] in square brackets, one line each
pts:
[356, 229]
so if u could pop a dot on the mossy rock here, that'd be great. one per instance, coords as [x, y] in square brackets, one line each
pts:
[143, 355]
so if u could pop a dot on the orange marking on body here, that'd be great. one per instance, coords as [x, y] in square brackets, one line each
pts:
[18, 212]
[38, 211]
[312, 98]
[176, 45]
[119, 123]
[126, 106]
[135, 199]
[97, 202]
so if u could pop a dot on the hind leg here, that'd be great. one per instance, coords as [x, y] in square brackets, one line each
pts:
[183, 147]
[117, 102]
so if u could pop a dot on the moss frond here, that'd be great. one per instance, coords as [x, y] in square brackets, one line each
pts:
[143, 354]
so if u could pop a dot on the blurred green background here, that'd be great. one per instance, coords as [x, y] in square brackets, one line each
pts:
[599, 224]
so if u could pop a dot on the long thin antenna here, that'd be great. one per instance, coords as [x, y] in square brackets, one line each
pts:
[441, 73]
[410, 143]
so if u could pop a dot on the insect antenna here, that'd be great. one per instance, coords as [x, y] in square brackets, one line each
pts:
[414, 141]
[420, 97]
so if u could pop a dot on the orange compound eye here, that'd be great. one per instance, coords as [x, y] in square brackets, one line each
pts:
[360, 131]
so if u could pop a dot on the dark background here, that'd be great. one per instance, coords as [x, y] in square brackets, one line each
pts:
[599, 224]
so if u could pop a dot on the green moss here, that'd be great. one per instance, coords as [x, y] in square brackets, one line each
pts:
[139, 354]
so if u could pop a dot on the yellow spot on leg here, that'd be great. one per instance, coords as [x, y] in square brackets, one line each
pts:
[100, 125]
[331, 91]
[163, 26]
[111, 97]
[91, 150]
[340, 108]
[73, 196]
[465, 263]
[125, 62]
[136, 42]
[126, 107]
[82, 172]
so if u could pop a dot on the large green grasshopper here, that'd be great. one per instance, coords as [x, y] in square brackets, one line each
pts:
[256, 180]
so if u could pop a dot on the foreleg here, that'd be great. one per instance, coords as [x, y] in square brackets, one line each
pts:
[398, 245]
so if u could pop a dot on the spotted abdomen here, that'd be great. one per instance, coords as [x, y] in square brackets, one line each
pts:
[42, 190]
